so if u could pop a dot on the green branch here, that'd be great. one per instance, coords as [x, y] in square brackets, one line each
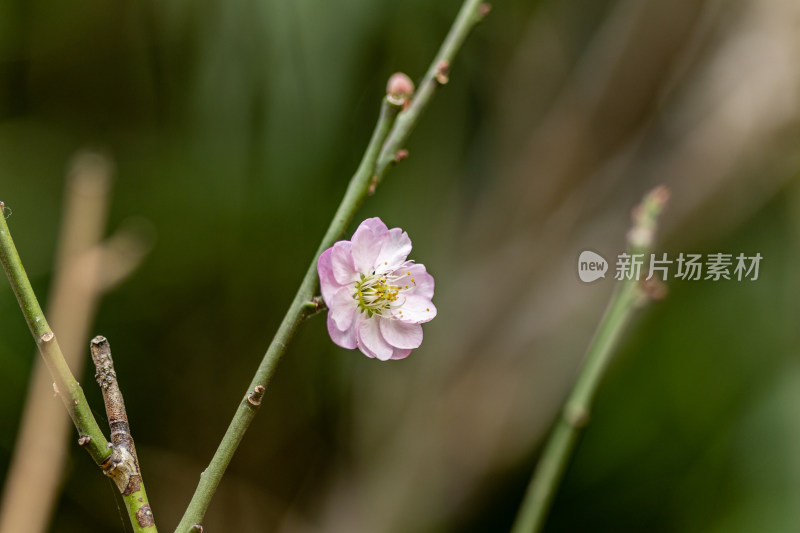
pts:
[69, 390]
[388, 137]
[627, 297]
[301, 306]
[472, 12]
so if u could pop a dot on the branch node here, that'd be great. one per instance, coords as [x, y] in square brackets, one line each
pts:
[314, 306]
[484, 10]
[84, 440]
[48, 336]
[400, 155]
[396, 100]
[255, 397]
[576, 416]
[654, 289]
[121, 467]
[443, 72]
[373, 184]
[319, 303]
[197, 528]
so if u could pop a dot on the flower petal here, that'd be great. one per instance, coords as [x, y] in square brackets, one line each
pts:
[342, 308]
[345, 339]
[370, 340]
[422, 284]
[416, 309]
[367, 244]
[344, 271]
[327, 283]
[395, 249]
[400, 353]
[375, 224]
[403, 335]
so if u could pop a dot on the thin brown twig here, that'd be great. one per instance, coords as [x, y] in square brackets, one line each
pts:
[123, 466]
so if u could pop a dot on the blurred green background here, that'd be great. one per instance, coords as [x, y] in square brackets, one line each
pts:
[234, 127]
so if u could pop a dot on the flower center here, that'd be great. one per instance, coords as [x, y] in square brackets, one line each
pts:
[377, 294]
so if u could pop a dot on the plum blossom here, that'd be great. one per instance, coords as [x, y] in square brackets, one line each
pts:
[377, 299]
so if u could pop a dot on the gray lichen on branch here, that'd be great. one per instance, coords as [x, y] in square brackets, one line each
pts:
[122, 465]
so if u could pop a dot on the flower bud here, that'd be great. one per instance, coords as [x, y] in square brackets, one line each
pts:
[400, 88]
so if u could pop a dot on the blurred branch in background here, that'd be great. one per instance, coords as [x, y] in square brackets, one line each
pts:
[627, 297]
[86, 267]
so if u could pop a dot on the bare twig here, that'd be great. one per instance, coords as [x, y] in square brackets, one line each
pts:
[123, 464]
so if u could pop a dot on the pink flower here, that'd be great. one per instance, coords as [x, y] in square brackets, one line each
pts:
[376, 298]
